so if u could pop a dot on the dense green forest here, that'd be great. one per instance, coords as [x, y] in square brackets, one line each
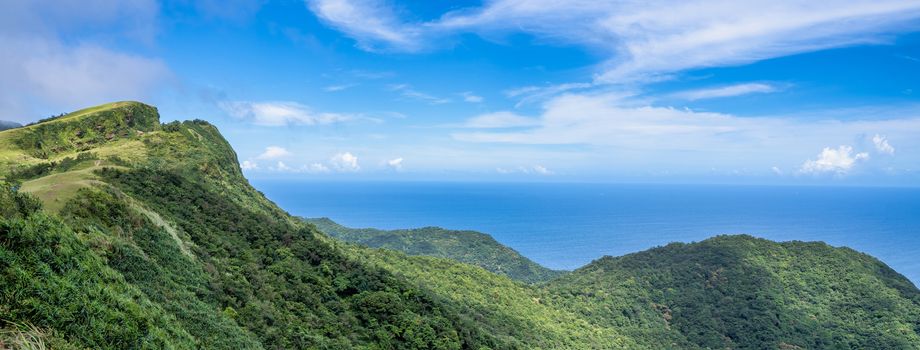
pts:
[118, 232]
[469, 247]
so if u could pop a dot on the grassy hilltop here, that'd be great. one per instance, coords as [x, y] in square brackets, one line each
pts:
[119, 232]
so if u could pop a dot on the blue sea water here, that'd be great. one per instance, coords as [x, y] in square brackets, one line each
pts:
[565, 226]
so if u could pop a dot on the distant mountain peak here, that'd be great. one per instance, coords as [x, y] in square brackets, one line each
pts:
[5, 125]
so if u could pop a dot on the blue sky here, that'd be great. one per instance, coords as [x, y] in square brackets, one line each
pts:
[772, 92]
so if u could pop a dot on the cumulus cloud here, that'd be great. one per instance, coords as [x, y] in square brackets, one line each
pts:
[272, 152]
[725, 91]
[837, 161]
[882, 145]
[280, 113]
[341, 162]
[395, 164]
[280, 166]
[345, 162]
[248, 165]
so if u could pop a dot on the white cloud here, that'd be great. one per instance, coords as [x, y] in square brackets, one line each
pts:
[776, 170]
[725, 91]
[500, 120]
[345, 162]
[316, 168]
[336, 88]
[882, 145]
[272, 152]
[661, 37]
[531, 94]
[281, 113]
[625, 124]
[280, 166]
[471, 97]
[837, 161]
[39, 69]
[395, 164]
[645, 39]
[370, 22]
[536, 169]
[248, 165]
[539, 169]
[407, 91]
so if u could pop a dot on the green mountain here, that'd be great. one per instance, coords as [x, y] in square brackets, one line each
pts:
[151, 238]
[471, 247]
[741, 292]
[119, 232]
[8, 125]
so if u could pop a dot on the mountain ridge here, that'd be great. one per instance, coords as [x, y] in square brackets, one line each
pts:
[4, 125]
[153, 238]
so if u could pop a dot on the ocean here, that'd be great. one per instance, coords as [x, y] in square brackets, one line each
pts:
[565, 226]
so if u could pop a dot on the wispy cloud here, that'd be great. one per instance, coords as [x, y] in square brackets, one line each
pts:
[500, 120]
[281, 113]
[609, 120]
[532, 94]
[469, 96]
[725, 91]
[340, 87]
[407, 91]
[644, 40]
[372, 23]
[536, 169]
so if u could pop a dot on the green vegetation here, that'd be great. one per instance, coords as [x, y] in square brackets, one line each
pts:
[469, 247]
[118, 232]
[520, 313]
[741, 292]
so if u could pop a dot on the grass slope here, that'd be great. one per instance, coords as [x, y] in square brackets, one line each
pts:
[469, 247]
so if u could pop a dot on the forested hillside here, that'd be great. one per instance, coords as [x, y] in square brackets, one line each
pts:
[741, 292]
[118, 232]
[471, 247]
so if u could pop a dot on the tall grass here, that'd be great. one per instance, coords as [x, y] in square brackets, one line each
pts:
[22, 336]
